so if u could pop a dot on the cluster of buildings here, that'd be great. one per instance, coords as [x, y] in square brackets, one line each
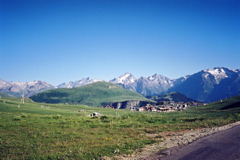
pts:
[159, 107]
[164, 106]
[169, 106]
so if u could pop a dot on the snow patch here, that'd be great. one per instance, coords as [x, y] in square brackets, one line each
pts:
[218, 73]
[78, 83]
[124, 79]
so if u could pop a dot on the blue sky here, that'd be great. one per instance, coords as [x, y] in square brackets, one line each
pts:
[65, 40]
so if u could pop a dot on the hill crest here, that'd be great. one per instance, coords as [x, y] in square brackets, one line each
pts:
[93, 94]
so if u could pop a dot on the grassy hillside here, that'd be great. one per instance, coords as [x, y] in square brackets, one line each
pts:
[227, 105]
[172, 96]
[94, 94]
[59, 131]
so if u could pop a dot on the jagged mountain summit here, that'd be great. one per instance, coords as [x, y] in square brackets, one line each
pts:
[26, 88]
[219, 73]
[82, 82]
[151, 85]
[124, 79]
[154, 84]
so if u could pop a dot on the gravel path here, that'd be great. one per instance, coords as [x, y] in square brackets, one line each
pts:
[172, 139]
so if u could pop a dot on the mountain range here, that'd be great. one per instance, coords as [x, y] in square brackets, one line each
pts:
[17, 89]
[206, 86]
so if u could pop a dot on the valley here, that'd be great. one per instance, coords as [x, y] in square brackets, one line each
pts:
[116, 79]
[95, 119]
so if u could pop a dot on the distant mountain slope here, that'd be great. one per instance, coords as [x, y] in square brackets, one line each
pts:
[16, 89]
[211, 85]
[95, 94]
[172, 96]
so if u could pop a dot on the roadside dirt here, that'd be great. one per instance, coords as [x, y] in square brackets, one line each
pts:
[170, 140]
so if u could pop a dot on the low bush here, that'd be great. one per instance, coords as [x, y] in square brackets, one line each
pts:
[17, 118]
[56, 116]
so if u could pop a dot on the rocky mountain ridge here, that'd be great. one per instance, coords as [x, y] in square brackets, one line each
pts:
[207, 85]
[151, 85]
[82, 82]
[17, 89]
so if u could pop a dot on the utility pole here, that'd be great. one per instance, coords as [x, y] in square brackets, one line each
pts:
[22, 99]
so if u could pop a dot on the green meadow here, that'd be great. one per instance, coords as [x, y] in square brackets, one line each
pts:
[95, 94]
[59, 131]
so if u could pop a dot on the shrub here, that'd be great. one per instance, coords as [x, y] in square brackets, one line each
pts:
[17, 118]
[104, 117]
[24, 115]
[57, 116]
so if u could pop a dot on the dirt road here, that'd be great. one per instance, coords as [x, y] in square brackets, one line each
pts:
[223, 145]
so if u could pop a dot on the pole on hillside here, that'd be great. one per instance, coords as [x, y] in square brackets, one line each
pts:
[22, 99]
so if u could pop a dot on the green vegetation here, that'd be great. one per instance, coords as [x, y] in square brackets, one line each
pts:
[99, 93]
[171, 96]
[59, 131]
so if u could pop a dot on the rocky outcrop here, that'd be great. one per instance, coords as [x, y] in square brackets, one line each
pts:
[133, 104]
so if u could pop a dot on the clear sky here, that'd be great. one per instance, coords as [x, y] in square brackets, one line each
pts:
[66, 40]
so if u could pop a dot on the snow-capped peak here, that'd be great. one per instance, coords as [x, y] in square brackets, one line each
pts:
[124, 79]
[160, 79]
[157, 77]
[216, 72]
[153, 77]
[219, 73]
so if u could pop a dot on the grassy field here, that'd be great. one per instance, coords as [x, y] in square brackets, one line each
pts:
[58, 131]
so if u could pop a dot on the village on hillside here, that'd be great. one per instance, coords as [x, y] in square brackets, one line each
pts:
[169, 106]
[164, 106]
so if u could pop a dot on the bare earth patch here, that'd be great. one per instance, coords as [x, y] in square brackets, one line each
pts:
[168, 140]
